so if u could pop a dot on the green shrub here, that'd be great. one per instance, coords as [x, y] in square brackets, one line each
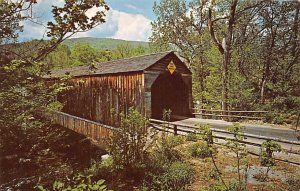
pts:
[279, 118]
[177, 176]
[214, 174]
[283, 110]
[205, 133]
[218, 186]
[164, 152]
[191, 137]
[127, 145]
[199, 149]
[166, 169]
[77, 183]
[267, 149]
[101, 168]
[233, 185]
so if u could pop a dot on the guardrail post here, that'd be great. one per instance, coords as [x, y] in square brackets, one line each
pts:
[175, 129]
[297, 123]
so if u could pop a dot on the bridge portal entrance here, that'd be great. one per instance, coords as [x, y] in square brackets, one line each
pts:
[169, 91]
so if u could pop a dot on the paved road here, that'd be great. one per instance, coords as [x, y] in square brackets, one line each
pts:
[262, 130]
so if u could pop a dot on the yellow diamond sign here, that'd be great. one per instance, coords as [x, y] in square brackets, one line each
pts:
[171, 67]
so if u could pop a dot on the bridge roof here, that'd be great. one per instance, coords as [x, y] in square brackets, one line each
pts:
[132, 64]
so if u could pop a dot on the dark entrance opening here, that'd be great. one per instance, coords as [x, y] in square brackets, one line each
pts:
[169, 92]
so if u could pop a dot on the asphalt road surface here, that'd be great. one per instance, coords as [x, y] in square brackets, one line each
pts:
[261, 130]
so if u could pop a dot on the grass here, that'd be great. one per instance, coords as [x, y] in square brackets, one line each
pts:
[204, 171]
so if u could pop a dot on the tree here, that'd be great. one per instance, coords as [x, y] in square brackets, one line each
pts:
[84, 54]
[23, 94]
[181, 26]
[59, 58]
[227, 14]
[280, 45]
[11, 15]
[247, 42]
[68, 20]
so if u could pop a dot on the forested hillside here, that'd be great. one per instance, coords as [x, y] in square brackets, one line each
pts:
[81, 51]
[103, 43]
[87, 51]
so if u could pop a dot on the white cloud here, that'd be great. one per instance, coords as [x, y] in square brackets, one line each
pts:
[118, 25]
[121, 25]
[131, 26]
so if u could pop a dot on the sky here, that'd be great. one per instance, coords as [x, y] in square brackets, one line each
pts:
[126, 19]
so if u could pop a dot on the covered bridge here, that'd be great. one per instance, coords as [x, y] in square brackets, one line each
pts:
[149, 83]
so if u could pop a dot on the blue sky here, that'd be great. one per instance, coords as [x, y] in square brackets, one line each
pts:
[127, 20]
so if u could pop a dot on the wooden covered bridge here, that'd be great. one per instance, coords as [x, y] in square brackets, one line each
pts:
[149, 83]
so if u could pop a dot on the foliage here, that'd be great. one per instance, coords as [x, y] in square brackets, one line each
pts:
[192, 136]
[164, 150]
[126, 146]
[102, 168]
[268, 148]
[240, 151]
[199, 149]
[234, 146]
[11, 15]
[284, 110]
[67, 21]
[214, 174]
[257, 69]
[218, 186]
[103, 43]
[59, 58]
[176, 176]
[205, 133]
[167, 168]
[83, 54]
[233, 185]
[79, 182]
[22, 97]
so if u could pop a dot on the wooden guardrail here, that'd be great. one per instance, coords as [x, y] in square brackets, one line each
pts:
[177, 128]
[91, 129]
[214, 114]
[100, 132]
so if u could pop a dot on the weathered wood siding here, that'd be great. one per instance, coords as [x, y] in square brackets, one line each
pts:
[102, 98]
[161, 65]
[152, 73]
[94, 130]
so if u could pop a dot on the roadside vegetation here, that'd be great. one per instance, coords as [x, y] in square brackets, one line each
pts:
[168, 162]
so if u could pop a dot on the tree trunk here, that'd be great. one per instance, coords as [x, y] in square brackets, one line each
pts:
[225, 49]
[201, 79]
[262, 91]
[225, 78]
[227, 55]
